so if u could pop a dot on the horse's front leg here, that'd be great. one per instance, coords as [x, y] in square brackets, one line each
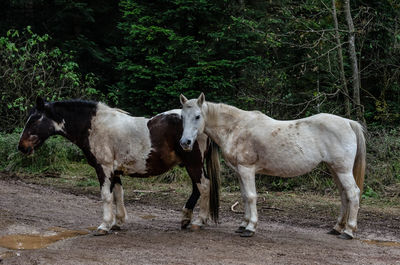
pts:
[246, 219]
[249, 196]
[118, 192]
[104, 175]
[187, 211]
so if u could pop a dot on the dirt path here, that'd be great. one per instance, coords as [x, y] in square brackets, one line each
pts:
[152, 235]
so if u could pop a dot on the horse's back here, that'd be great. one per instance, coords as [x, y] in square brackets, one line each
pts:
[293, 147]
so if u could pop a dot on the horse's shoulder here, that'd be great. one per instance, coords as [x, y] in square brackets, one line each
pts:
[165, 127]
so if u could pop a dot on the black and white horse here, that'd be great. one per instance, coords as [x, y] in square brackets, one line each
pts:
[116, 143]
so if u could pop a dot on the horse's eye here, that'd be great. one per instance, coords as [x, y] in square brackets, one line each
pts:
[197, 117]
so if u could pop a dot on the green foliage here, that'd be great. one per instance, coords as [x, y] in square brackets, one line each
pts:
[29, 69]
[369, 193]
[88, 182]
[175, 46]
[383, 161]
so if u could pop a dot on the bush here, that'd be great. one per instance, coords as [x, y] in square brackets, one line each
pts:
[29, 69]
[383, 162]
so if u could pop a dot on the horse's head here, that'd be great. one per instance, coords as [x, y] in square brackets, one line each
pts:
[41, 125]
[193, 120]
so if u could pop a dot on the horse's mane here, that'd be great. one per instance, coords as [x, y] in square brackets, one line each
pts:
[72, 109]
[81, 106]
[75, 103]
[214, 109]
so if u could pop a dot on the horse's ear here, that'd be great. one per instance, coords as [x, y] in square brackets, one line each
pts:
[183, 99]
[39, 104]
[201, 99]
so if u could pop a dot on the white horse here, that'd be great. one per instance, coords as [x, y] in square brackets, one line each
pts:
[252, 142]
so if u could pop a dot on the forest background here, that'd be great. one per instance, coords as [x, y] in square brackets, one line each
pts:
[289, 59]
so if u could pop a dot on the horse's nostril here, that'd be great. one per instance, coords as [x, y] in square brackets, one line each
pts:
[188, 142]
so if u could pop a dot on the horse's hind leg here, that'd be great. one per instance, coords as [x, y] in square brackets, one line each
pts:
[352, 193]
[118, 194]
[187, 211]
[343, 215]
[204, 188]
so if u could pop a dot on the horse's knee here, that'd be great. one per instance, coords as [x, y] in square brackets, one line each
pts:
[107, 197]
[251, 198]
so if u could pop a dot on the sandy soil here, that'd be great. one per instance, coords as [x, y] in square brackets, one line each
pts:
[152, 234]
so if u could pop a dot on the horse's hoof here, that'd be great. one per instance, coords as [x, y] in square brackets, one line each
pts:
[345, 236]
[185, 224]
[240, 229]
[247, 233]
[195, 227]
[100, 232]
[334, 232]
[116, 228]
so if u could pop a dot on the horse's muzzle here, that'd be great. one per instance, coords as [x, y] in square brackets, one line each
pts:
[186, 144]
[26, 150]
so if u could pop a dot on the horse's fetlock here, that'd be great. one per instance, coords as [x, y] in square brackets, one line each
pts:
[187, 214]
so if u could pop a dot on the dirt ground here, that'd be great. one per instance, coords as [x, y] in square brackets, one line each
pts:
[286, 234]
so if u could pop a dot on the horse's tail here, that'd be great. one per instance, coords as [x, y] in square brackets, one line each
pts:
[359, 163]
[213, 172]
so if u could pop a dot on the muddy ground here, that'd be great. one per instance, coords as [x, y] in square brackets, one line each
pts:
[288, 233]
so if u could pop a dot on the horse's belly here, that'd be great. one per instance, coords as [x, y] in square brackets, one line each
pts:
[289, 165]
[287, 170]
[131, 167]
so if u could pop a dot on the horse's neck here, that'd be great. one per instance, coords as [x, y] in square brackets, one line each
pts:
[76, 121]
[221, 119]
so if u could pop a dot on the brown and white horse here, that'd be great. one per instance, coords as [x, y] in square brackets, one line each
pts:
[116, 143]
[252, 142]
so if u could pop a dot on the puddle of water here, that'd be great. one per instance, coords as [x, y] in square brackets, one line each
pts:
[148, 217]
[382, 243]
[26, 241]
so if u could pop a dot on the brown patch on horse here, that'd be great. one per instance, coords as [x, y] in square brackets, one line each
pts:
[165, 131]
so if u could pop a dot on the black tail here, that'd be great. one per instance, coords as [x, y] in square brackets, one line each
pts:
[213, 172]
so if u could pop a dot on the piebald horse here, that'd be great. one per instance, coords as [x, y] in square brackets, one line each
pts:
[116, 143]
[253, 143]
